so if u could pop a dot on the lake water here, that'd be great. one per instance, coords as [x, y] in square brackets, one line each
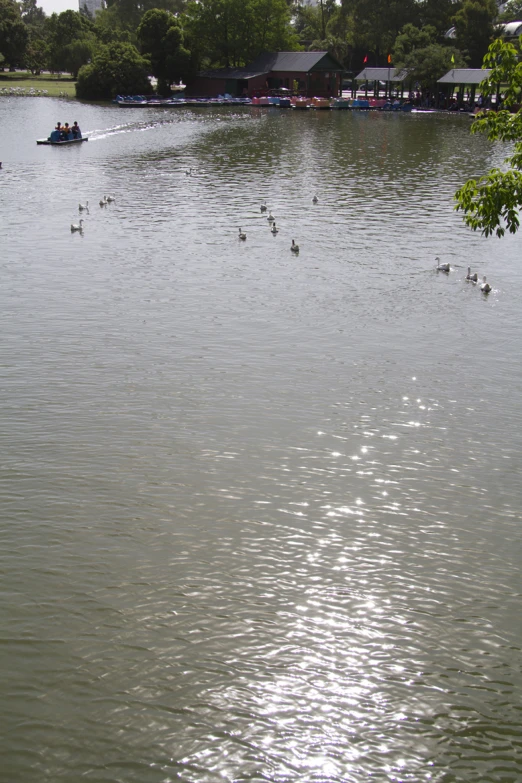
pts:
[260, 514]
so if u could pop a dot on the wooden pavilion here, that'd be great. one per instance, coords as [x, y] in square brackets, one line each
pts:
[313, 73]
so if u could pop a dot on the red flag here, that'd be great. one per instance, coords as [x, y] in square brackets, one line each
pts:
[365, 59]
[389, 59]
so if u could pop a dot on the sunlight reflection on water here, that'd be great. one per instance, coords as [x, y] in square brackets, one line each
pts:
[261, 512]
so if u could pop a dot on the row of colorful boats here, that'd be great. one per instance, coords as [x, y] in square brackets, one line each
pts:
[382, 104]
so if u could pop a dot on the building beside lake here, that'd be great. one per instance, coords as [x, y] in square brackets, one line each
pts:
[309, 73]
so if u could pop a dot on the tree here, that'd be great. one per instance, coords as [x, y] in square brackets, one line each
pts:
[491, 204]
[109, 27]
[130, 12]
[376, 23]
[14, 34]
[71, 41]
[116, 69]
[234, 32]
[161, 38]
[311, 21]
[512, 11]
[426, 60]
[36, 55]
[439, 13]
[31, 13]
[474, 28]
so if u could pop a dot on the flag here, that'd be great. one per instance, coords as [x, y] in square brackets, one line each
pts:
[453, 59]
[365, 59]
[389, 59]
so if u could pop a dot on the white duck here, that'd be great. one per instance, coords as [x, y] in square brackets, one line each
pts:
[110, 199]
[242, 235]
[294, 248]
[485, 286]
[274, 229]
[83, 207]
[76, 227]
[270, 217]
[103, 201]
[442, 267]
[472, 277]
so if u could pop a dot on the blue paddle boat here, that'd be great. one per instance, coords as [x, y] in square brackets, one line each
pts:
[57, 138]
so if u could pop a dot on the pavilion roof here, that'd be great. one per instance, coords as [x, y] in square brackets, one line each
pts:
[382, 74]
[465, 76]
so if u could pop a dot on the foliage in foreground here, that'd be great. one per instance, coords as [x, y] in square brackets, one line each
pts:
[492, 203]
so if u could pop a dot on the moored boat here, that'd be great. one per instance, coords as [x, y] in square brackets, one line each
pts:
[340, 103]
[320, 103]
[301, 103]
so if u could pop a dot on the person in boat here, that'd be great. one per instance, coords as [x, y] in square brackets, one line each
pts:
[59, 126]
[65, 131]
[76, 132]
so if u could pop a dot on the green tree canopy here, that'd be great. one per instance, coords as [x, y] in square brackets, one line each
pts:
[31, 13]
[376, 24]
[426, 60]
[475, 29]
[71, 40]
[438, 13]
[492, 203]
[512, 12]
[234, 32]
[116, 69]
[14, 34]
[130, 12]
[110, 28]
[161, 38]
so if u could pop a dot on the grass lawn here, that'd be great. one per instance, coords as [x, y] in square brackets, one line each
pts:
[53, 84]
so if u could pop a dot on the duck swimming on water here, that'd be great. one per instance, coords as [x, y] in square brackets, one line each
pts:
[76, 227]
[442, 267]
[241, 234]
[473, 278]
[293, 247]
[485, 286]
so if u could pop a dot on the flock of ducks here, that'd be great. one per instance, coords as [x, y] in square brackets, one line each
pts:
[273, 227]
[441, 267]
[471, 278]
[85, 208]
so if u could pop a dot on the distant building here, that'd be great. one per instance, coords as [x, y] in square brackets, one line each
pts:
[509, 31]
[90, 7]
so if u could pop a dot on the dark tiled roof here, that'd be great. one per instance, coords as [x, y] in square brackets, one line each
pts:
[231, 73]
[292, 61]
[298, 62]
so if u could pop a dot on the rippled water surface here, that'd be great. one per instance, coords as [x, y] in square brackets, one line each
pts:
[260, 513]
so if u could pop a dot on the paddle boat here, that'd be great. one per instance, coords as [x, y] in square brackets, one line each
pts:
[56, 139]
[340, 103]
[320, 103]
[301, 103]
